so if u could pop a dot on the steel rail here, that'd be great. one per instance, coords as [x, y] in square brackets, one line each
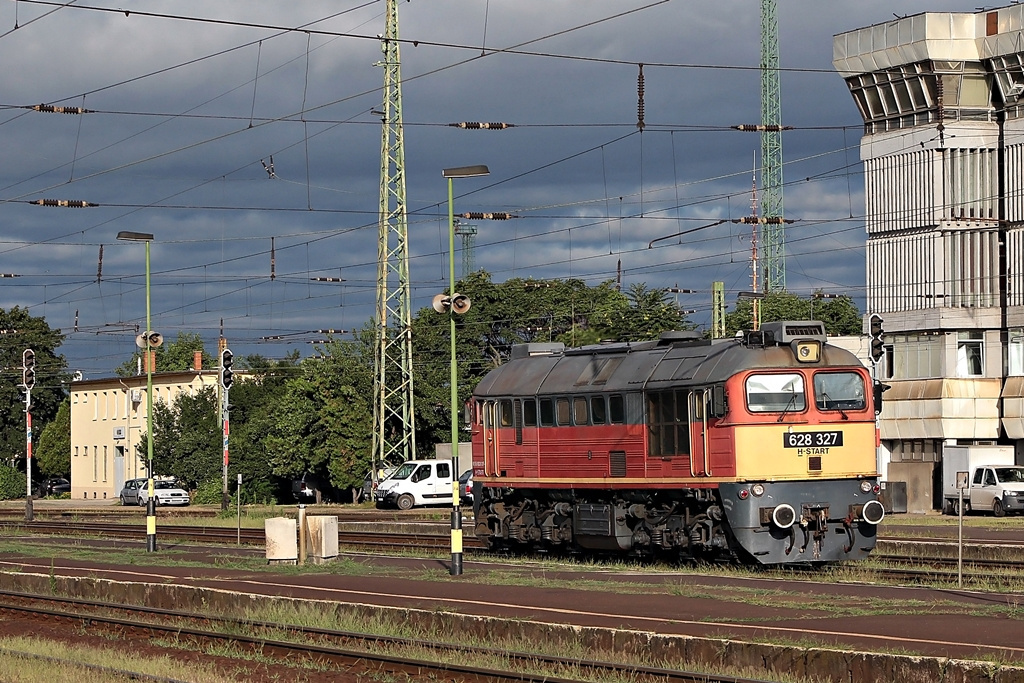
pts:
[346, 657]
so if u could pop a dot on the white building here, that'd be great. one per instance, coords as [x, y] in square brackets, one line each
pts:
[942, 98]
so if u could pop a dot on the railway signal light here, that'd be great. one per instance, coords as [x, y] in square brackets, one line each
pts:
[28, 368]
[876, 332]
[226, 373]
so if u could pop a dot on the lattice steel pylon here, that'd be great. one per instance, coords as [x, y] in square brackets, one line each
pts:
[774, 234]
[394, 431]
[468, 234]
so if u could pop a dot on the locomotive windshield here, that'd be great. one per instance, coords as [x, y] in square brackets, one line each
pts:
[839, 391]
[775, 393]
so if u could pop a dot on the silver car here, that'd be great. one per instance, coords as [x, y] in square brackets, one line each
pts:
[130, 492]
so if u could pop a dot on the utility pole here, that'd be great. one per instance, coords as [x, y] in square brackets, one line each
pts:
[28, 380]
[393, 414]
[226, 380]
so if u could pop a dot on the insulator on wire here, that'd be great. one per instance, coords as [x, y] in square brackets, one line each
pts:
[758, 128]
[759, 220]
[476, 216]
[640, 98]
[67, 203]
[482, 125]
[51, 109]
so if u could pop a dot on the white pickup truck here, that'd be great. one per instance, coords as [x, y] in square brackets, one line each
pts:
[417, 482]
[994, 482]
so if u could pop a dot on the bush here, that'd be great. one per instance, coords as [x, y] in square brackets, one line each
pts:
[209, 493]
[12, 483]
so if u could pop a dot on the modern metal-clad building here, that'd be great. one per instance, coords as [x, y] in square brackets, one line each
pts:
[942, 99]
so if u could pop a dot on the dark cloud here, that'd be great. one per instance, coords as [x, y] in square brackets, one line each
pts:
[185, 135]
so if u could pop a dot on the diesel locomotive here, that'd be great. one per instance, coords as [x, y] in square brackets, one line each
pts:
[758, 449]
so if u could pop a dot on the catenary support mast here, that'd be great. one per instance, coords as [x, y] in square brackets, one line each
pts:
[773, 236]
[393, 416]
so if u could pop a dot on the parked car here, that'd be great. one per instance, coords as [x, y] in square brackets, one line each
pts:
[164, 493]
[130, 492]
[310, 488]
[54, 486]
[466, 487]
[367, 492]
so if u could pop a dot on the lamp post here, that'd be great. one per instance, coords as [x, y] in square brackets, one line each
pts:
[450, 173]
[151, 501]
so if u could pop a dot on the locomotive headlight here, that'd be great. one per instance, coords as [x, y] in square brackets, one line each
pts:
[866, 486]
[808, 351]
[743, 494]
[757, 490]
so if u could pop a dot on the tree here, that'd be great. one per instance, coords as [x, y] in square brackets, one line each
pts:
[650, 313]
[840, 315]
[186, 438]
[320, 424]
[179, 355]
[520, 311]
[20, 331]
[255, 401]
[53, 457]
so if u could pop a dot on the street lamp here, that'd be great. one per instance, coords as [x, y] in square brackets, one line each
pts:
[151, 501]
[450, 173]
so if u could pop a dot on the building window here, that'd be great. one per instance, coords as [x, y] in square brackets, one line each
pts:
[913, 356]
[969, 354]
[1015, 354]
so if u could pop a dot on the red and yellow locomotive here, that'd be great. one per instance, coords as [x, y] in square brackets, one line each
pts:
[758, 449]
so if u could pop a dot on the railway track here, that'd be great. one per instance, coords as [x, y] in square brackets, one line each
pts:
[344, 652]
[245, 536]
[917, 568]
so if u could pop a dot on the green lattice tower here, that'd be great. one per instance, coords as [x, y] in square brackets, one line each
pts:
[468, 233]
[773, 237]
[393, 416]
[717, 309]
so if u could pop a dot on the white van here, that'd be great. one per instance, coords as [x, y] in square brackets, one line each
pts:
[417, 482]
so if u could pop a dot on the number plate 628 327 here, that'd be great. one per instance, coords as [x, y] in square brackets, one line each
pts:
[812, 439]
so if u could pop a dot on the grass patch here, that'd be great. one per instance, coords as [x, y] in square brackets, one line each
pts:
[30, 660]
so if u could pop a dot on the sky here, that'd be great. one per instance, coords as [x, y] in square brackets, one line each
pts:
[242, 135]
